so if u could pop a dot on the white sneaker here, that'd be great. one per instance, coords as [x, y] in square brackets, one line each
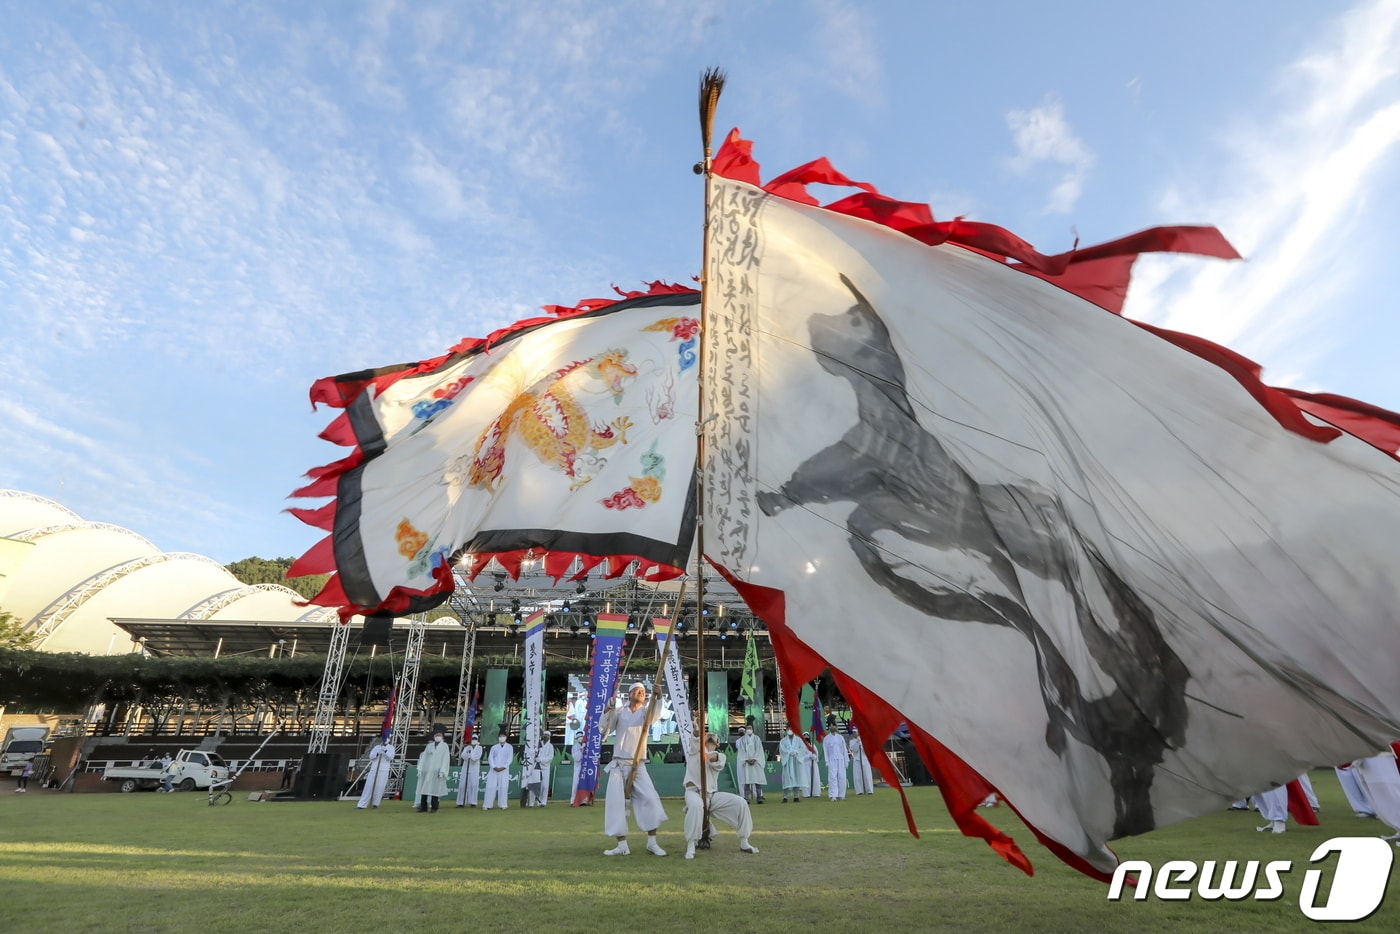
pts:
[619, 850]
[690, 851]
[654, 848]
[747, 847]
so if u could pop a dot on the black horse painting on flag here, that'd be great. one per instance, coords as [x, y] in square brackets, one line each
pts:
[905, 484]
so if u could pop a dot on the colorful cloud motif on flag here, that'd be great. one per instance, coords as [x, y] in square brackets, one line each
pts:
[1098, 567]
[558, 437]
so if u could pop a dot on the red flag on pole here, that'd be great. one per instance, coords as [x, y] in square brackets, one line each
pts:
[388, 726]
[472, 708]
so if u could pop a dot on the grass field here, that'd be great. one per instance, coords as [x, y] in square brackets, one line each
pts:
[150, 862]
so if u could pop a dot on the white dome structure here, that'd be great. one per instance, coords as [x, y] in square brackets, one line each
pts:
[79, 575]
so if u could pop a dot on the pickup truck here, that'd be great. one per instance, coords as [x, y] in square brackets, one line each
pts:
[190, 769]
[22, 744]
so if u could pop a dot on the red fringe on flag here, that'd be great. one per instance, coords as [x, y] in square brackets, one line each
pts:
[962, 788]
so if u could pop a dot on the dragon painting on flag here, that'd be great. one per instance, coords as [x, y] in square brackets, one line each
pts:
[1100, 568]
[551, 437]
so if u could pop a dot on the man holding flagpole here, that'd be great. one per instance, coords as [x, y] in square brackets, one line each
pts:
[381, 757]
[861, 777]
[539, 775]
[722, 806]
[576, 752]
[630, 724]
[381, 760]
[812, 775]
[469, 778]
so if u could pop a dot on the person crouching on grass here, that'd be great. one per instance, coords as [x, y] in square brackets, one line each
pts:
[730, 808]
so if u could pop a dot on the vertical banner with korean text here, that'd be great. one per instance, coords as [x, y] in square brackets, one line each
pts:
[675, 685]
[534, 678]
[602, 686]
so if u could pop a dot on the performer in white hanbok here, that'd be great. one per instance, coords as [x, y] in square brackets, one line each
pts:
[498, 774]
[1356, 795]
[381, 760]
[576, 756]
[729, 808]
[792, 755]
[665, 721]
[862, 782]
[814, 778]
[469, 778]
[752, 761]
[630, 724]
[1273, 807]
[838, 758]
[433, 764]
[540, 774]
[574, 717]
[1380, 779]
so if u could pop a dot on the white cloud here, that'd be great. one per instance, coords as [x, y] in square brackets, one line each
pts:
[1293, 190]
[1042, 135]
[442, 189]
[848, 51]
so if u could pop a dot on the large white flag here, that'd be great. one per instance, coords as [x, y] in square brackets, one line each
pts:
[1092, 565]
[552, 437]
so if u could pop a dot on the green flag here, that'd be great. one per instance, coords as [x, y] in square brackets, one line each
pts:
[748, 685]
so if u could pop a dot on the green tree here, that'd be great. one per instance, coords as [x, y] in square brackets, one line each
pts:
[274, 571]
[12, 634]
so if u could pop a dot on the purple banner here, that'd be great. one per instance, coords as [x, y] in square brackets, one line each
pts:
[602, 687]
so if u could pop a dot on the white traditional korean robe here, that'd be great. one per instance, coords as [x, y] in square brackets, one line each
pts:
[540, 774]
[792, 753]
[576, 754]
[1380, 779]
[751, 762]
[814, 777]
[729, 808]
[469, 779]
[1356, 795]
[433, 764]
[862, 781]
[645, 802]
[381, 759]
[498, 776]
[838, 758]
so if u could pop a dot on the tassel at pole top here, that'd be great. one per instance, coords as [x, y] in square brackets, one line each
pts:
[711, 85]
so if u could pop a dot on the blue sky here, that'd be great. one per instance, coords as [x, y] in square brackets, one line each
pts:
[205, 207]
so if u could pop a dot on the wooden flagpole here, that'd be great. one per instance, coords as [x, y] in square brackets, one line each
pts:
[711, 86]
[652, 701]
